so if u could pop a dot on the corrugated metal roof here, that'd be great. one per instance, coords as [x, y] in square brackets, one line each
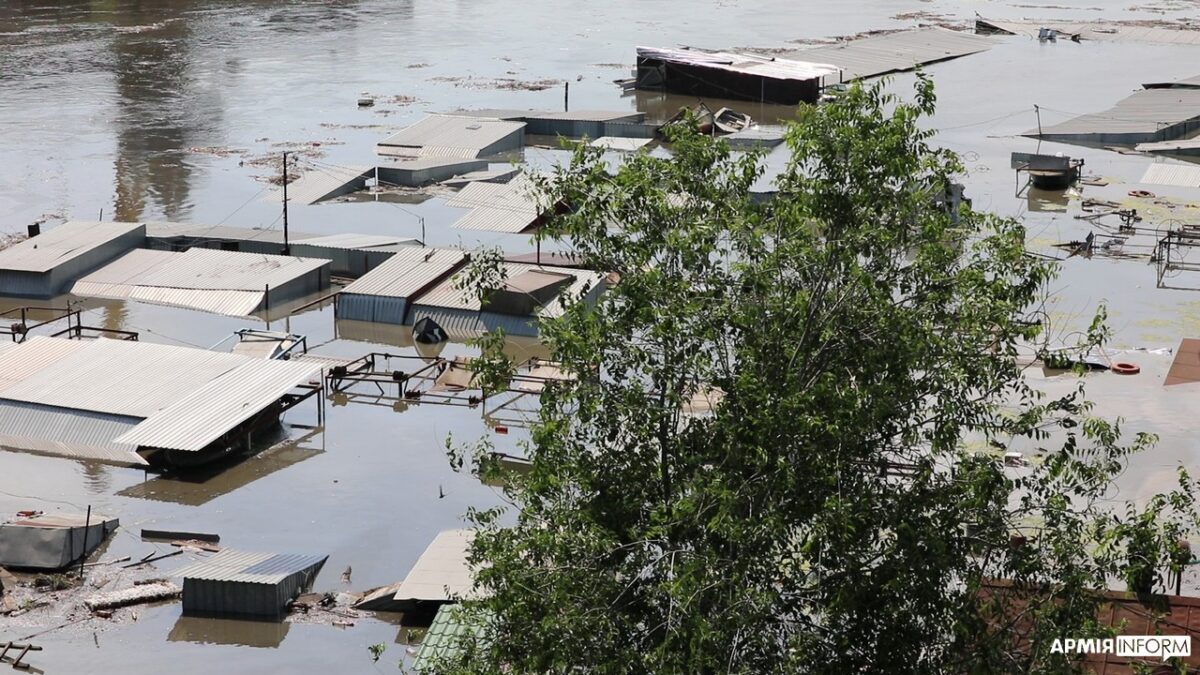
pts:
[1098, 31]
[1144, 112]
[203, 268]
[1180, 175]
[354, 241]
[250, 567]
[325, 183]
[446, 295]
[118, 278]
[749, 64]
[407, 272]
[164, 230]
[591, 115]
[499, 207]
[67, 433]
[115, 376]
[1169, 146]
[451, 136]
[61, 244]
[1187, 83]
[230, 303]
[20, 362]
[895, 52]
[202, 416]
[625, 144]
[441, 573]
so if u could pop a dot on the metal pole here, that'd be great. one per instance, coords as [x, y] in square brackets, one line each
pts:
[566, 95]
[1038, 111]
[87, 524]
[287, 249]
[422, 219]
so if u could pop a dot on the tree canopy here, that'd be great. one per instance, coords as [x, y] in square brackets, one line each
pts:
[783, 447]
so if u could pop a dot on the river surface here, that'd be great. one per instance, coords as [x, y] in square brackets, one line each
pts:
[175, 110]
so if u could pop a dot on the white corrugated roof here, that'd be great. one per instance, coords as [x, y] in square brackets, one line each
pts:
[1144, 112]
[204, 268]
[449, 136]
[442, 572]
[118, 278]
[202, 416]
[19, 362]
[893, 52]
[117, 377]
[618, 143]
[61, 244]
[750, 64]
[1100, 31]
[499, 207]
[407, 272]
[1180, 175]
[324, 182]
[66, 433]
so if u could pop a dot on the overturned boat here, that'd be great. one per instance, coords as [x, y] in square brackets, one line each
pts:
[52, 541]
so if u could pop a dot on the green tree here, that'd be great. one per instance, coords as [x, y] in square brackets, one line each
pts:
[842, 507]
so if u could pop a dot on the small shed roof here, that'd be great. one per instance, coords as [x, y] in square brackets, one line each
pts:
[251, 568]
[441, 573]
[407, 272]
[1144, 112]
[325, 182]
[498, 207]
[197, 419]
[446, 295]
[621, 144]
[61, 244]
[449, 136]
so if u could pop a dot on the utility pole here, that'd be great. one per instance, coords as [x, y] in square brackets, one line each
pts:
[1038, 111]
[422, 219]
[287, 249]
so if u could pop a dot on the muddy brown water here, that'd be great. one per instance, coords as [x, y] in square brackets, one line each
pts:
[165, 111]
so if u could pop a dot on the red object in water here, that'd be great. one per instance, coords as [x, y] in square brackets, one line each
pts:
[1122, 368]
[502, 430]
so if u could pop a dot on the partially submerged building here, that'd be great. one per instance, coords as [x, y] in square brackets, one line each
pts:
[748, 77]
[331, 182]
[222, 282]
[901, 51]
[385, 294]
[136, 403]
[455, 136]
[1146, 116]
[46, 265]
[52, 541]
[530, 293]
[249, 585]
[350, 254]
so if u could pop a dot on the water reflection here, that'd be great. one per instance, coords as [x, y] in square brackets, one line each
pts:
[263, 634]
[200, 486]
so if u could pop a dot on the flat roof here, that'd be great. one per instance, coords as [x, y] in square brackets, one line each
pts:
[61, 244]
[407, 272]
[325, 182]
[450, 136]
[1178, 175]
[498, 207]
[442, 572]
[251, 567]
[895, 52]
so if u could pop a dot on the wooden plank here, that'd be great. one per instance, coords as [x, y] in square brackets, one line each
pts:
[172, 535]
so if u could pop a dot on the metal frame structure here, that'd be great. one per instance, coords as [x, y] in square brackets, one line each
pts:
[20, 330]
[396, 388]
[1170, 254]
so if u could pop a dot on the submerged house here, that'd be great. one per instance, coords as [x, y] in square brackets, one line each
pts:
[747, 77]
[530, 293]
[137, 403]
[249, 585]
[222, 282]
[384, 295]
[45, 265]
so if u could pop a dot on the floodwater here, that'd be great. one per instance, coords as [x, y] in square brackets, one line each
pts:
[175, 110]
